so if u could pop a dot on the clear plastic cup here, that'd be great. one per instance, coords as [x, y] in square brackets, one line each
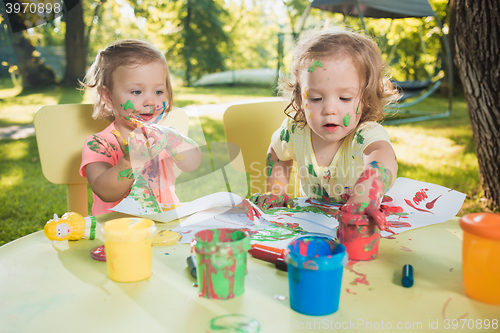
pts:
[129, 248]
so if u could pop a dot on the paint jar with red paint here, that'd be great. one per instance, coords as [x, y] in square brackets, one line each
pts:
[360, 237]
[315, 268]
[481, 256]
[221, 255]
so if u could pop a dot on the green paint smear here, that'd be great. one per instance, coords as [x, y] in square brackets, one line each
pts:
[347, 119]
[359, 138]
[141, 192]
[315, 63]
[269, 165]
[310, 168]
[307, 209]
[234, 323]
[285, 135]
[274, 233]
[127, 173]
[128, 105]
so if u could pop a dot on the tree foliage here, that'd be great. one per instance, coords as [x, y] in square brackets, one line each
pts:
[206, 36]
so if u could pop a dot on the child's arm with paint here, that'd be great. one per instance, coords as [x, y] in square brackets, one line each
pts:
[110, 182]
[278, 178]
[378, 175]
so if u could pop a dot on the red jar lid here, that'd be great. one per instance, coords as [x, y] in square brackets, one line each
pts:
[485, 225]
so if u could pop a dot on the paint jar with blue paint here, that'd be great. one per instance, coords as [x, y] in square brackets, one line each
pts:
[315, 268]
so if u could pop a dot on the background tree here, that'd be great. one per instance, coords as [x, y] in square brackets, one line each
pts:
[477, 43]
[203, 37]
[33, 71]
[193, 33]
[77, 38]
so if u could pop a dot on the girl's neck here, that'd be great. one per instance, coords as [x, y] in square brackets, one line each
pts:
[324, 151]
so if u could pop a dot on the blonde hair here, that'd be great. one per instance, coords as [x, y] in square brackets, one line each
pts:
[121, 53]
[364, 53]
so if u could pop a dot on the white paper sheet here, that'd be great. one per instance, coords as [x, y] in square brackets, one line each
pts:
[220, 199]
[409, 204]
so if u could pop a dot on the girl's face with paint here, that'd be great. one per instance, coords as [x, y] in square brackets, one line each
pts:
[331, 92]
[139, 91]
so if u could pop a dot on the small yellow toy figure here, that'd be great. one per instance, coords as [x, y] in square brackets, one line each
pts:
[71, 226]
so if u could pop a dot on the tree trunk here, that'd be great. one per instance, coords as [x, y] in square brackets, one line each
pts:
[477, 43]
[76, 52]
[33, 72]
[188, 36]
[452, 19]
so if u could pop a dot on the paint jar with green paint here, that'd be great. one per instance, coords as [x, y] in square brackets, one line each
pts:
[221, 255]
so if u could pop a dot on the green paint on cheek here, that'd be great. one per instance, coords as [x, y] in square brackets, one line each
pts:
[128, 105]
[347, 119]
[357, 109]
[127, 117]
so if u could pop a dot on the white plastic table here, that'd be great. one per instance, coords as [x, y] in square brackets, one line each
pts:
[46, 287]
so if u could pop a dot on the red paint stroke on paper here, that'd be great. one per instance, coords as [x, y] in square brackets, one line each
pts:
[406, 249]
[386, 198]
[430, 205]
[420, 196]
[397, 224]
[419, 209]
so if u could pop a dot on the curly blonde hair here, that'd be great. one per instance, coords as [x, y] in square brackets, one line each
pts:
[121, 53]
[377, 92]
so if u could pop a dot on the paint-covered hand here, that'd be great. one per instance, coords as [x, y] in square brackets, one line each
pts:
[269, 200]
[123, 144]
[360, 213]
[365, 201]
[160, 137]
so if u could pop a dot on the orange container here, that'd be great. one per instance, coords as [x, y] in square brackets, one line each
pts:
[481, 256]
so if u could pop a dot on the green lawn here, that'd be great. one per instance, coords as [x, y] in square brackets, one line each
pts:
[438, 151]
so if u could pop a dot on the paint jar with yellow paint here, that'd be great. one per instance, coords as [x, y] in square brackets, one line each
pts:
[129, 248]
[481, 256]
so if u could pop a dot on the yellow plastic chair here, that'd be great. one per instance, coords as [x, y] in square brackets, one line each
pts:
[61, 131]
[250, 126]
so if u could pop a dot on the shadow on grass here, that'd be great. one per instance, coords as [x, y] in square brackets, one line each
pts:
[459, 115]
[466, 140]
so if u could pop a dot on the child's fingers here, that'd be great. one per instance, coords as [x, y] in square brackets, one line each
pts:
[122, 142]
[377, 215]
[137, 123]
